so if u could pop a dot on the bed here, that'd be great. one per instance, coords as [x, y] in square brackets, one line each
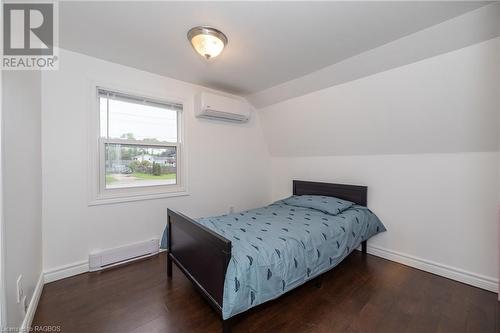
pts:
[238, 261]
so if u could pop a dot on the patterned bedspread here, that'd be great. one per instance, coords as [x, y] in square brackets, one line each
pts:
[279, 247]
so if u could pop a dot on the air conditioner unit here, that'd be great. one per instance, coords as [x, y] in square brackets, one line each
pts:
[218, 107]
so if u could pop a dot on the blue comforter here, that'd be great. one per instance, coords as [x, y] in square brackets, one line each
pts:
[279, 247]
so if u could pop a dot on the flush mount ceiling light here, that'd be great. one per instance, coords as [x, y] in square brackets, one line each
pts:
[207, 41]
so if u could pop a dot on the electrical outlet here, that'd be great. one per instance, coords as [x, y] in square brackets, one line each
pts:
[20, 291]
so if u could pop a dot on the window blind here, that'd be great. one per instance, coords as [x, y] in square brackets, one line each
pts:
[138, 100]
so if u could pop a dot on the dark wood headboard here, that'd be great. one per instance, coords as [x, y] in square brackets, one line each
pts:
[354, 193]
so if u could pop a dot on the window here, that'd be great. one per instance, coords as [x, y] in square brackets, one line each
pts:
[139, 145]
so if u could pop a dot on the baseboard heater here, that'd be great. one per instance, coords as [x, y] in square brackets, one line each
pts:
[123, 254]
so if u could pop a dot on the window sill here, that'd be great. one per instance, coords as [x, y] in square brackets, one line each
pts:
[108, 200]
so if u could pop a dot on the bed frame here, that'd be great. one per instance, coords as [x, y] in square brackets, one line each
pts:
[203, 255]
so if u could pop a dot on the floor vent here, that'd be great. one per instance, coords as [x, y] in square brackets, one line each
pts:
[123, 254]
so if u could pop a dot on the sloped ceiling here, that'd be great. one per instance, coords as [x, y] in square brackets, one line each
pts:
[270, 43]
[462, 31]
[444, 104]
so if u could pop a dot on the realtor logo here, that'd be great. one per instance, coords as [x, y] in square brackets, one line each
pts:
[29, 36]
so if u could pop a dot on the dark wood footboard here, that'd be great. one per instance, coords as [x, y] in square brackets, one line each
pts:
[201, 254]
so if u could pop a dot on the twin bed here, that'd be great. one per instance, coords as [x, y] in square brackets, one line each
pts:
[241, 260]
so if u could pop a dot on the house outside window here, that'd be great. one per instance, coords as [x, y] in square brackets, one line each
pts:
[140, 152]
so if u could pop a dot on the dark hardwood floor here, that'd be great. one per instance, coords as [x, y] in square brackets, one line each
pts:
[363, 294]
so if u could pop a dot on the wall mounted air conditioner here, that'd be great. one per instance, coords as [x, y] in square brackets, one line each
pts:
[218, 107]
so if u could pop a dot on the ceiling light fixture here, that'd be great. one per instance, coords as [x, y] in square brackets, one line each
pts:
[207, 41]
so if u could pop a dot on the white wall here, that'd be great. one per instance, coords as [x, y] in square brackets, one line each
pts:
[439, 208]
[447, 103]
[21, 164]
[227, 164]
[464, 30]
[424, 138]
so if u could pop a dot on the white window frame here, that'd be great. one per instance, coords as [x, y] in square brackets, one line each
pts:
[99, 194]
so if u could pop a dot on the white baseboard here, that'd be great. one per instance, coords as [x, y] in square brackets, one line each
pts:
[65, 271]
[70, 270]
[30, 313]
[473, 279]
